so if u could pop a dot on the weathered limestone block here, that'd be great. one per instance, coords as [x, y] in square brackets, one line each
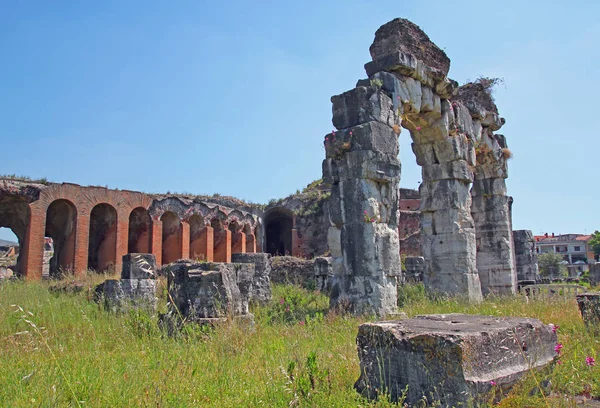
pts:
[119, 295]
[362, 164]
[139, 266]
[525, 255]
[447, 221]
[374, 136]
[209, 290]
[405, 36]
[589, 306]
[261, 283]
[450, 359]
[136, 288]
[361, 105]
[355, 196]
[444, 194]
[414, 265]
[364, 294]
[370, 249]
[323, 273]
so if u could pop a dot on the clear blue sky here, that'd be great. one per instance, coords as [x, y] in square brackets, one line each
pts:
[233, 97]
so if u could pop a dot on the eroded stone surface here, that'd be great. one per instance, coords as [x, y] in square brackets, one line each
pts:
[208, 289]
[450, 358]
[139, 266]
[261, 283]
[136, 288]
[525, 255]
[589, 306]
[120, 295]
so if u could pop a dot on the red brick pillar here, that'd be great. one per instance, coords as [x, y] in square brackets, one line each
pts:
[122, 243]
[296, 243]
[222, 251]
[185, 240]
[157, 241]
[32, 258]
[250, 243]
[82, 241]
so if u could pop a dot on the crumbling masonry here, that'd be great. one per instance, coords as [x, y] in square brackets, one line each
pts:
[452, 132]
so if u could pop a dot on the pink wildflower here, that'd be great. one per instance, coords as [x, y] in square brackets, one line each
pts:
[287, 309]
[366, 212]
[418, 127]
[301, 323]
[555, 328]
[350, 133]
[558, 347]
[493, 383]
[590, 361]
[281, 301]
[558, 362]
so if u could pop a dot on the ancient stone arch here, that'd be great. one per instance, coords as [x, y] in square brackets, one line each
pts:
[408, 88]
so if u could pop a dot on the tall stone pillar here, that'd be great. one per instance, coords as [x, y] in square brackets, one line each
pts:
[413, 71]
[526, 256]
[363, 168]
[491, 207]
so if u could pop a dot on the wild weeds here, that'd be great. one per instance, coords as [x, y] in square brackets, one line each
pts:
[78, 351]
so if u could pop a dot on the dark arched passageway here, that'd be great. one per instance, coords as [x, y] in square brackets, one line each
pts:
[140, 232]
[102, 249]
[171, 237]
[61, 224]
[278, 229]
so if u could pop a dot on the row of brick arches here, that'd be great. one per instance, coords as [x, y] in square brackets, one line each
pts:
[92, 228]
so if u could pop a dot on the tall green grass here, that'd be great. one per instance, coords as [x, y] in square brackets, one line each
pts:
[61, 349]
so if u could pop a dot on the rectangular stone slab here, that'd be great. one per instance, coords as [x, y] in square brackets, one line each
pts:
[449, 358]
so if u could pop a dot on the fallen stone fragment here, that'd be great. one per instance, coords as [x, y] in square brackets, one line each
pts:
[449, 359]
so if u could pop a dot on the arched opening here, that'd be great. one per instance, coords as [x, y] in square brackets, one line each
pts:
[278, 228]
[222, 242]
[102, 249]
[9, 253]
[59, 249]
[140, 232]
[14, 219]
[171, 237]
[198, 238]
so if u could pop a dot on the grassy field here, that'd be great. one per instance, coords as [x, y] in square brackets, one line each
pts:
[61, 349]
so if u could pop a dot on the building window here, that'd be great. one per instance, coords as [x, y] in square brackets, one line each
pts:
[577, 249]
